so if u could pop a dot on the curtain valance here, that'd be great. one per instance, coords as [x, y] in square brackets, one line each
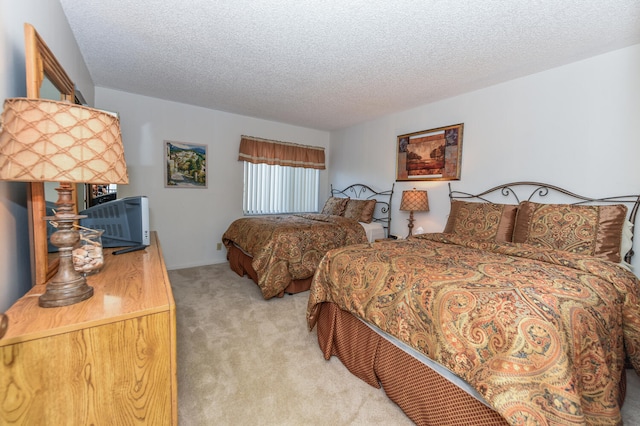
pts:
[257, 150]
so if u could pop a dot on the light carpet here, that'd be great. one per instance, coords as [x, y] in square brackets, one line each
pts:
[245, 360]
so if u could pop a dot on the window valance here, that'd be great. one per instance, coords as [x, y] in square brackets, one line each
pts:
[257, 150]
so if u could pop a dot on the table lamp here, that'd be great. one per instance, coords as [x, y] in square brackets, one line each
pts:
[50, 141]
[414, 201]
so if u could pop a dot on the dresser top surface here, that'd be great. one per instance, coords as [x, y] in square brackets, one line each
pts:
[129, 285]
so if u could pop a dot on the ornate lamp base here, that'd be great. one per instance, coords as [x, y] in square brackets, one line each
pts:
[55, 297]
[410, 224]
[68, 286]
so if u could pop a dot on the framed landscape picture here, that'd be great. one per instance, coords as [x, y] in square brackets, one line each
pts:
[185, 165]
[430, 154]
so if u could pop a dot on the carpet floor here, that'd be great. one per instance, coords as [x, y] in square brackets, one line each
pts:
[245, 360]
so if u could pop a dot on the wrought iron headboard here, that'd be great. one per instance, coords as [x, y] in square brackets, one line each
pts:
[358, 191]
[535, 191]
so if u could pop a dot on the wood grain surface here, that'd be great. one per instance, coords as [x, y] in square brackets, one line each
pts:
[108, 360]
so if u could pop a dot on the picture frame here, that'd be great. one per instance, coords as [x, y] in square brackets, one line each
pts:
[185, 165]
[433, 154]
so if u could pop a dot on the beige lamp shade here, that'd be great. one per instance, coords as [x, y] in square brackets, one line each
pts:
[43, 140]
[414, 201]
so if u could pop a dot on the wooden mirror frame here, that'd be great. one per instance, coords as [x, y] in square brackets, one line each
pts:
[40, 63]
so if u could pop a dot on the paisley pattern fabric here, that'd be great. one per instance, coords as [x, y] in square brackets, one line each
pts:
[482, 221]
[289, 247]
[335, 206]
[360, 210]
[540, 334]
[591, 230]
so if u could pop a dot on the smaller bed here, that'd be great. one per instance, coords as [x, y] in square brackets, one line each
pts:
[280, 253]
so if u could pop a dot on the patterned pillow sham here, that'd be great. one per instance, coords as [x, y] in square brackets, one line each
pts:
[590, 230]
[482, 221]
[335, 206]
[360, 210]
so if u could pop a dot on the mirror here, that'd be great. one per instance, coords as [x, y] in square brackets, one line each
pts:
[98, 194]
[45, 78]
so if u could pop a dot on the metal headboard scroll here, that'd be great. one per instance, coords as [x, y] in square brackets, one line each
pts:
[358, 191]
[536, 189]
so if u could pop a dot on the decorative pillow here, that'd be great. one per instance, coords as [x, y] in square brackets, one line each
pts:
[590, 230]
[360, 210]
[482, 221]
[335, 206]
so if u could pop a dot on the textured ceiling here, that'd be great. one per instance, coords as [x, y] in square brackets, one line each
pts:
[329, 64]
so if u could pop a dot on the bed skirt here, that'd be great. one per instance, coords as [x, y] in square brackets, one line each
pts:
[240, 263]
[425, 396]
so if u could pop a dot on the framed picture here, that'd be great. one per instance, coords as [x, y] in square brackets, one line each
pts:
[430, 154]
[185, 165]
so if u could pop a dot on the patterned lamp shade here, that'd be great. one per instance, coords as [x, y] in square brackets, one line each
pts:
[43, 140]
[414, 201]
[49, 141]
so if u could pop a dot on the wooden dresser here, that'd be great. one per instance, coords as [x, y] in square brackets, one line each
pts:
[108, 360]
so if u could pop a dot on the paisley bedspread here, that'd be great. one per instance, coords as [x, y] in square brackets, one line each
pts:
[290, 247]
[540, 334]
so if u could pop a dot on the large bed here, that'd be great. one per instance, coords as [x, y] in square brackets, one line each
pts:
[280, 253]
[519, 313]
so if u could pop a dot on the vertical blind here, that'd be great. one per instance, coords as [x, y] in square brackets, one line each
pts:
[279, 189]
[280, 177]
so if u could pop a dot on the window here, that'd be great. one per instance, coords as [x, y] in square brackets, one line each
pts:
[280, 177]
[271, 189]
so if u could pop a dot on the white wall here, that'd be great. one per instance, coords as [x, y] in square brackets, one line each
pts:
[51, 23]
[190, 222]
[576, 126]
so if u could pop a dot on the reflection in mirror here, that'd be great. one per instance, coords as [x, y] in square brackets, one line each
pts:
[98, 194]
[50, 196]
[49, 91]
[45, 78]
